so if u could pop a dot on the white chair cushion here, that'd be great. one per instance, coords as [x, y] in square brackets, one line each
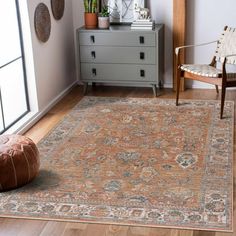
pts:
[203, 70]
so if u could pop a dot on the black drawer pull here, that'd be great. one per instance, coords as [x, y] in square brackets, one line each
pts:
[142, 73]
[94, 72]
[142, 55]
[93, 54]
[92, 38]
[141, 39]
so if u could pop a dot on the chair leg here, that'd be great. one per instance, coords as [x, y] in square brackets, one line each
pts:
[222, 101]
[217, 89]
[178, 86]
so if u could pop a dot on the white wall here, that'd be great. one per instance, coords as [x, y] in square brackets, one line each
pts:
[54, 61]
[161, 12]
[78, 21]
[78, 13]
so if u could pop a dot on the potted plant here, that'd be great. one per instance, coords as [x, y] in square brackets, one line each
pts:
[90, 15]
[103, 19]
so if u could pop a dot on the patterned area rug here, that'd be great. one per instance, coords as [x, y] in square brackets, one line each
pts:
[142, 162]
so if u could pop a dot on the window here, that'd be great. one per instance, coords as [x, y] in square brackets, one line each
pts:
[13, 88]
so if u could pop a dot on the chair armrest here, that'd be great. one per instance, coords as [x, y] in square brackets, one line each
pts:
[225, 74]
[231, 55]
[225, 59]
[189, 46]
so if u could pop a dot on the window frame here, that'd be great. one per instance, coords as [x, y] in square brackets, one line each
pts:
[22, 57]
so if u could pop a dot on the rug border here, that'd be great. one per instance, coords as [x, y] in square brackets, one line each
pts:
[232, 162]
[116, 223]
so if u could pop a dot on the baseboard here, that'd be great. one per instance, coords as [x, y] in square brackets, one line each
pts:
[168, 85]
[35, 117]
[208, 86]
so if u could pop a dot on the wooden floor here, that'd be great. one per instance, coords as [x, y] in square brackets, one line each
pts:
[20, 227]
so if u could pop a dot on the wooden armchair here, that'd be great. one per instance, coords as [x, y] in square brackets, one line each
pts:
[225, 54]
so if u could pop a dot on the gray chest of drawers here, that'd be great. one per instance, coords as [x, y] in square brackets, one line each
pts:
[121, 55]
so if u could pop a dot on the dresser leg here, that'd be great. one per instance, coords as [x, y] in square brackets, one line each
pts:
[160, 85]
[154, 88]
[85, 88]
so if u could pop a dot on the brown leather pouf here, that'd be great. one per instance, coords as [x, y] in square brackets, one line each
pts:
[19, 161]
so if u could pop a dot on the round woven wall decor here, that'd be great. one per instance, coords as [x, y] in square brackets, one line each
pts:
[42, 22]
[58, 8]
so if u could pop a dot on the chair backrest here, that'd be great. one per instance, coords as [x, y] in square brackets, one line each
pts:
[226, 46]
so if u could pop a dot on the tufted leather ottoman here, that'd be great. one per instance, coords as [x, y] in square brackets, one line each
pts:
[19, 161]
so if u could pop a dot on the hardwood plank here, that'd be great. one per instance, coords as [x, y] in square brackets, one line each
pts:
[85, 229]
[116, 230]
[53, 228]
[177, 232]
[145, 231]
[21, 227]
[203, 233]
[31, 227]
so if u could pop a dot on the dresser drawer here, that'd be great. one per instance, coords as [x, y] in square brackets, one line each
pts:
[117, 72]
[132, 55]
[118, 38]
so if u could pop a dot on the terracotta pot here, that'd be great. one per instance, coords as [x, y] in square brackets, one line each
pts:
[90, 20]
[103, 22]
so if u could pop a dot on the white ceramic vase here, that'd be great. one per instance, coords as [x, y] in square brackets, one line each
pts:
[103, 22]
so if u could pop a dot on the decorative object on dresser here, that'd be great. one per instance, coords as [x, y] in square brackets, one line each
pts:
[143, 13]
[121, 56]
[142, 24]
[124, 10]
[134, 161]
[144, 20]
[90, 15]
[42, 22]
[58, 7]
[103, 18]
